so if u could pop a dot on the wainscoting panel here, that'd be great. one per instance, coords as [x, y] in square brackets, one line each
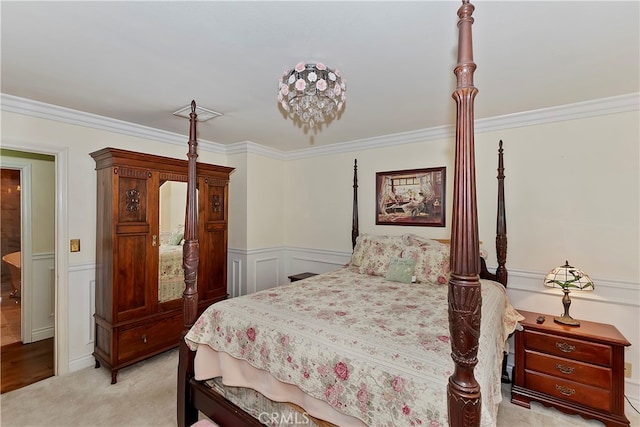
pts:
[265, 273]
[269, 267]
[236, 285]
[81, 309]
[52, 292]
[301, 260]
[43, 296]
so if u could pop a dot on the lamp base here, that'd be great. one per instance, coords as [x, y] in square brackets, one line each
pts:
[566, 320]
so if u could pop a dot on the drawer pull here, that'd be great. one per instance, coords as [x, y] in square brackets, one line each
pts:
[565, 390]
[565, 369]
[567, 348]
[144, 339]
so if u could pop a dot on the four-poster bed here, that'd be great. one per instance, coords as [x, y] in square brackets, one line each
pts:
[240, 338]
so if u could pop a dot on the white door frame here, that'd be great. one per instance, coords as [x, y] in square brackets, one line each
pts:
[61, 339]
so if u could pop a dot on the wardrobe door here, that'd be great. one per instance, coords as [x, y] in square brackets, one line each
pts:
[212, 214]
[135, 252]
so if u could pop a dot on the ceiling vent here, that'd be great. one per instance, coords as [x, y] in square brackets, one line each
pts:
[204, 114]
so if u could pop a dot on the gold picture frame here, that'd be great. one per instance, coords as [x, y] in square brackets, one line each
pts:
[414, 197]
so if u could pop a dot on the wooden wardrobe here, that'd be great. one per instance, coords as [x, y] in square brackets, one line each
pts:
[132, 320]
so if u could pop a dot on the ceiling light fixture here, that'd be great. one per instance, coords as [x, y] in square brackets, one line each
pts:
[204, 114]
[312, 93]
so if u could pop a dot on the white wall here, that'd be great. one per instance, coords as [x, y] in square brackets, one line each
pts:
[265, 202]
[255, 221]
[572, 192]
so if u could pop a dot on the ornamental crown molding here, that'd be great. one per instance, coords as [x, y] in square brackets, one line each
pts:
[592, 108]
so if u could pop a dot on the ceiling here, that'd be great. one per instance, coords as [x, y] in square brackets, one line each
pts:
[141, 61]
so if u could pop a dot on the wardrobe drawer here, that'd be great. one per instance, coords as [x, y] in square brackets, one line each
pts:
[156, 336]
[584, 351]
[569, 390]
[568, 369]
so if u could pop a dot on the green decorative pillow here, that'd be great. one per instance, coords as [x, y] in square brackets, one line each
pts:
[401, 269]
[175, 239]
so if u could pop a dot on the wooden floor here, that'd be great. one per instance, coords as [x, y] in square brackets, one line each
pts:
[24, 364]
[21, 364]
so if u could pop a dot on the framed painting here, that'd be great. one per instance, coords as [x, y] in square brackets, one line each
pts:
[411, 197]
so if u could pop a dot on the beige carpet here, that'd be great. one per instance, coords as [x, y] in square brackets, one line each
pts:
[145, 395]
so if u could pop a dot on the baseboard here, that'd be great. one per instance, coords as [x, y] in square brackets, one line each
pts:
[42, 334]
[81, 363]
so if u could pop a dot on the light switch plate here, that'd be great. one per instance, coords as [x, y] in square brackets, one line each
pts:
[74, 245]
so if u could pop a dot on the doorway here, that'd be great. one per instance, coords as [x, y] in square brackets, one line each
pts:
[10, 251]
[28, 256]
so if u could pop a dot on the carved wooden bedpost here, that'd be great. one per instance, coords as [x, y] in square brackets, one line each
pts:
[191, 247]
[354, 212]
[465, 299]
[501, 223]
[187, 413]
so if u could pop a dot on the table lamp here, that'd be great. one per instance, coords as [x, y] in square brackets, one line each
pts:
[568, 277]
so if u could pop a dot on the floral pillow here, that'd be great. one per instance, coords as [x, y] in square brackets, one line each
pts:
[415, 240]
[359, 250]
[375, 261]
[432, 262]
[363, 243]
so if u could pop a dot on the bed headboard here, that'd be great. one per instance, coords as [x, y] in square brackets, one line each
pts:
[500, 275]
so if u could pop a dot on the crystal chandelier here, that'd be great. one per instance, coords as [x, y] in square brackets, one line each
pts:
[312, 92]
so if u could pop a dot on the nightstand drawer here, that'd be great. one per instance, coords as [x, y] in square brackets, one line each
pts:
[593, 397]
[569, 369]
[570, 348]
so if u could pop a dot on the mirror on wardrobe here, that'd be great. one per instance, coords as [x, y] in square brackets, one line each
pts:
[173, 202]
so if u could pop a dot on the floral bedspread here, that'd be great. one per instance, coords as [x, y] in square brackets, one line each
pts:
[170, 262]
[170, 273]
[373, 349]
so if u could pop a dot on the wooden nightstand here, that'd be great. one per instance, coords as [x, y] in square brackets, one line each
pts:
[578, 370]
[301, 276]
